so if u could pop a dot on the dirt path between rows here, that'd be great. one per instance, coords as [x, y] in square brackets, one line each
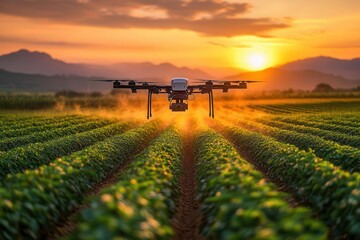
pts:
[187, 217]
[280, 186]
[68, 225]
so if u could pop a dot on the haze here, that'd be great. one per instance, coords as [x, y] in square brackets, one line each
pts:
[209, 33]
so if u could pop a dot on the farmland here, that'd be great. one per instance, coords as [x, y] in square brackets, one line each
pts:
[262, 169]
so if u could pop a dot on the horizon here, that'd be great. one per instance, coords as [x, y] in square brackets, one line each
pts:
[248, 35]
[160, 63]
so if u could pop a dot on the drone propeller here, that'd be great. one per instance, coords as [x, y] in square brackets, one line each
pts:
[246, 81]
[226, 81]
[112, 80]
[125, 80]
[145, 82]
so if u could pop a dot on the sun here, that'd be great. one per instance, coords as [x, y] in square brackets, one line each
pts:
[256, 61]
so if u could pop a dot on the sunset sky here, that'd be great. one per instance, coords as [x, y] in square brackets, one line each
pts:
[194, 33]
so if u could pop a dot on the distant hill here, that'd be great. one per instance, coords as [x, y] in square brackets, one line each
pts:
[349, 69]
[23, 82]
[24, 61]
[275, 79]
[163, 71]
[38, 71]
[280, 79]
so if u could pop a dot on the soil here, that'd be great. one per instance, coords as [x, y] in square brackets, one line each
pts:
[280, 186]
[69, 223]
[187, 217]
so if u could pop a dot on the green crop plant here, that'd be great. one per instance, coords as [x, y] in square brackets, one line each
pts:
[141, 204]
[326, 126]
[238, 203]
[33, 201]
[341, 138]
[34, 155]
[18, 129]
[330, 191]
[344, 156]
[74, 127]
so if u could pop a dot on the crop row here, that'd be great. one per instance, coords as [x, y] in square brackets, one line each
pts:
[332, 119]
[11, 121]
[37, 154]
[268, 109]
[345, 122]
[291, 108]
[336, 116]
[353, 141]
[141, 204]
[281, 108]
[27, 101]
[13, 118]
[330, 106]
[237, 201]
[272, 109]
[344, 156]
[17, 130]
[330, 191]
[325, 126]
[72, 128]
[308, 107]
[33, 201]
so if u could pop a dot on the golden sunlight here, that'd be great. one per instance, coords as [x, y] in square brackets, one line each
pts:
[256, 61]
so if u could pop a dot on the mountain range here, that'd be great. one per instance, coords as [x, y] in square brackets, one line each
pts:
[24, 61]
[349, 69]
[24, 70]
[282, 79]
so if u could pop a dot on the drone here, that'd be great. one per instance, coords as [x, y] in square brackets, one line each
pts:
[179, 90]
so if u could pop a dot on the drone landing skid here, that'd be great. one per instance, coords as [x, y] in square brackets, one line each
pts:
[211, 104]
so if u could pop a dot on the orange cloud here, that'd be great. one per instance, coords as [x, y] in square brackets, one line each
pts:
[208, 17]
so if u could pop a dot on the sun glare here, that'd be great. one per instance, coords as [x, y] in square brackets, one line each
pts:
[257, 61]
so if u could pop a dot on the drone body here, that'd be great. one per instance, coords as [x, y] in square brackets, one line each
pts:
[179, 91]
[178, 95]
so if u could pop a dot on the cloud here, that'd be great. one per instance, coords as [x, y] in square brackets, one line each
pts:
[85, 45]
[344, 45]
[207, 17]
[11, 39]
[229, 46]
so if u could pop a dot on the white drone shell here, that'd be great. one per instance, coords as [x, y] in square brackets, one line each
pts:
[179, 84]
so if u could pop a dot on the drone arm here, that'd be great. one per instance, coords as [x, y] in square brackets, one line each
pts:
[206, 88]
[144, 87]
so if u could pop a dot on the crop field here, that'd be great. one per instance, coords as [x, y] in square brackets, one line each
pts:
[260, 170]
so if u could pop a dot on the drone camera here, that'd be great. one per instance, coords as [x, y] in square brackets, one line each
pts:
[179, 107]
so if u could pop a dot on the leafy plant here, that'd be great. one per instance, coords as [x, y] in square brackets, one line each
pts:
[141, 204]
[34, 155]
[330, 191]
[33, 201]
[238, 203]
